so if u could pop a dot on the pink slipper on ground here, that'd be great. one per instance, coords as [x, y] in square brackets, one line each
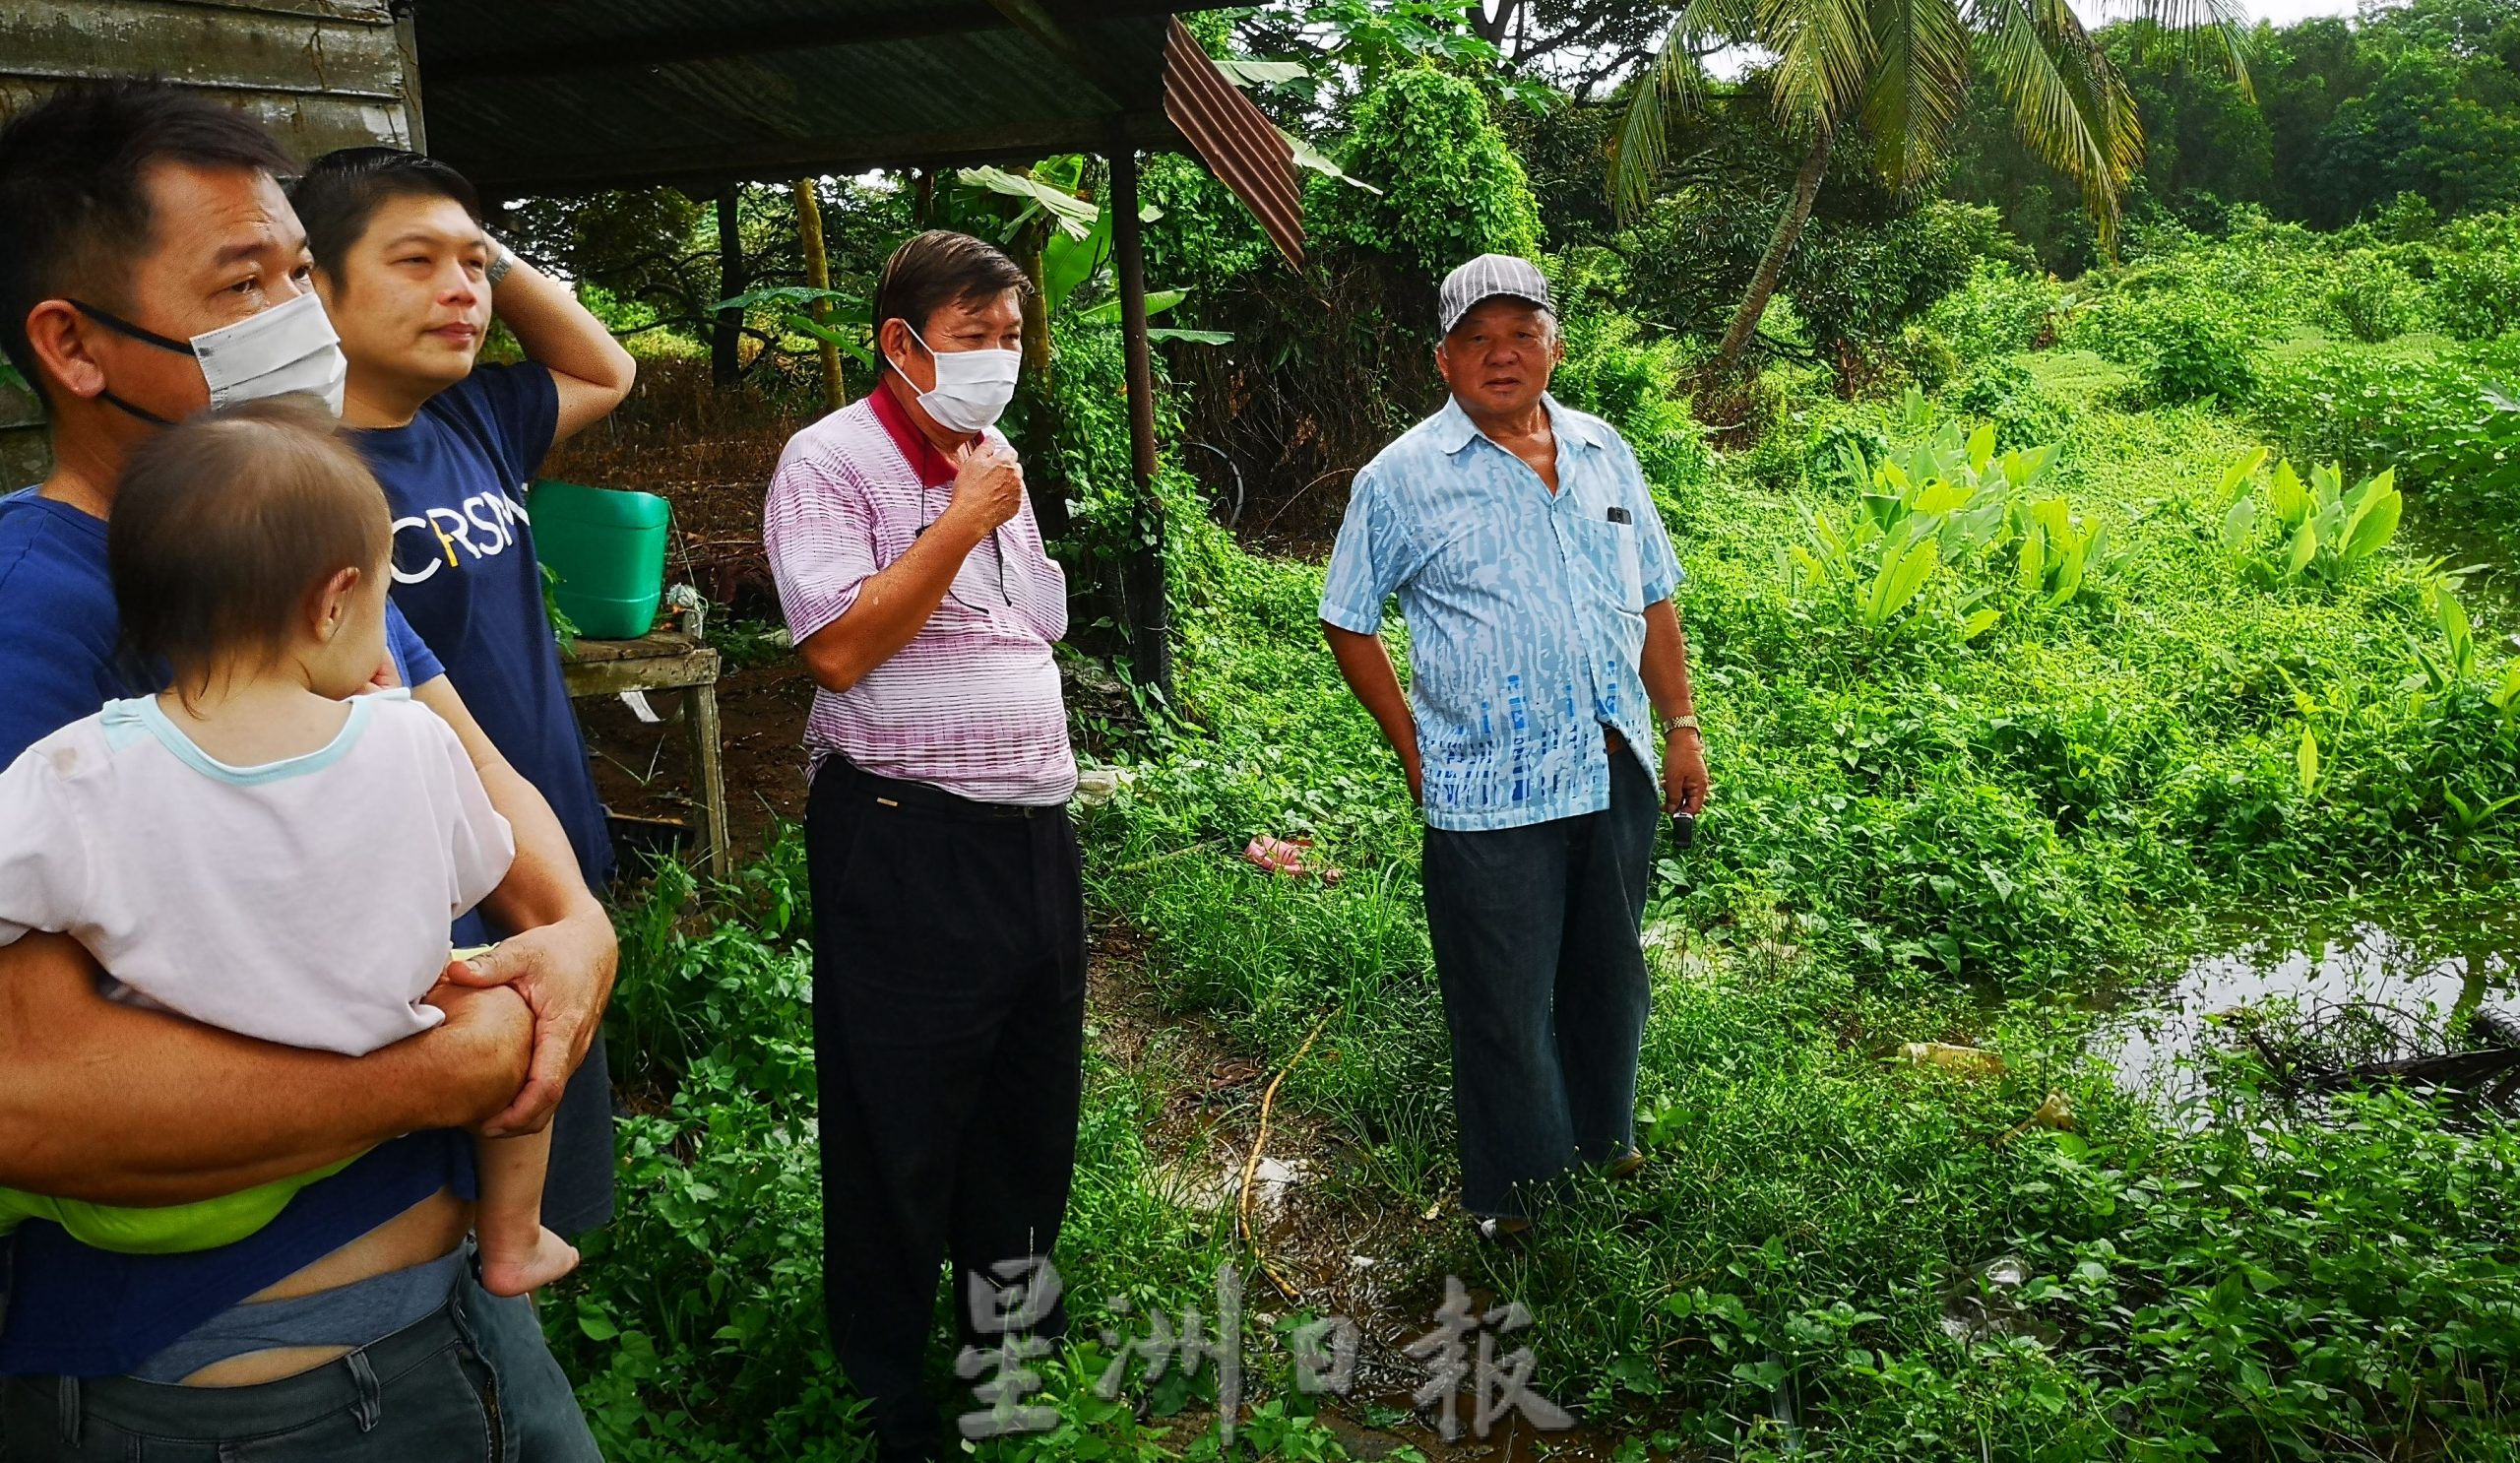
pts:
[1285, 856]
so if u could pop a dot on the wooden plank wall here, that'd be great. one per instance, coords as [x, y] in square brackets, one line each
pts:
[321, 74]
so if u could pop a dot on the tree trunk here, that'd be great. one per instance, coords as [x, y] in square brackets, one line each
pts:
[726, 363]
[809, 228]
[1148, 612]
[1789, 229]
[1495, 29]
[1028, 248]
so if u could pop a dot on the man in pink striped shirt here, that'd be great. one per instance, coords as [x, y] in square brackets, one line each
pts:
[949, 922]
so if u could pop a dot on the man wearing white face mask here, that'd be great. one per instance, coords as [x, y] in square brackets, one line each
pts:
[287, 350]
[151, 266]
[949, 949]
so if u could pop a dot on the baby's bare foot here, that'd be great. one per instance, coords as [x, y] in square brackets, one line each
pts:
[518, 1274]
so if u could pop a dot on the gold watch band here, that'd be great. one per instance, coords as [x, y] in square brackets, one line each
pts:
[1671, 724]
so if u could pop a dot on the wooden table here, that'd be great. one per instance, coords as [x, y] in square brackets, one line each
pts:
[665, 661]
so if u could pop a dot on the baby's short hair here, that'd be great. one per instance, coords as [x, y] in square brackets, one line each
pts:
[225, 525]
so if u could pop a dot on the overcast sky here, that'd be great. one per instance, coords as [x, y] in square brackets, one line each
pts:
[2285, 12]
[2281, 11]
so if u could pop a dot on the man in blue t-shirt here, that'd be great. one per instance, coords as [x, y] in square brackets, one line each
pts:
[410, 277]
[149, 264]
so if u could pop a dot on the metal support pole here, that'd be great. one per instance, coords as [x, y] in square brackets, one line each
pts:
[1150, 610]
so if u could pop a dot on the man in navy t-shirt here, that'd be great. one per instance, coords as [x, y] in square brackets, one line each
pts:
[145, 249]
[409, 277]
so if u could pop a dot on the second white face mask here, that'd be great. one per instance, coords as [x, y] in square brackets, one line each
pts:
[972, 387]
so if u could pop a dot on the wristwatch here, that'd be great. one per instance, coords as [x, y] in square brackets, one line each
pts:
[499, 267]
[1670, 724]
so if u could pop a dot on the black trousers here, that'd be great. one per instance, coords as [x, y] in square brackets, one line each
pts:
[949, 1033]
[1545, 989]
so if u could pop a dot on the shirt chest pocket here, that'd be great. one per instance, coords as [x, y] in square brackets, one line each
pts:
[1605, 561]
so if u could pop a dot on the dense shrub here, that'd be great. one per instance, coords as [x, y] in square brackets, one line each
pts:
[2197, 356]
[1451, 188]
[1615, 372]
[2476, 276]
[2006, 393]
[1855, 284]
[1328, 366]
[1999, 311]
[1842, 450]
[2374, 297]
[2447, 422]
[2178, 334]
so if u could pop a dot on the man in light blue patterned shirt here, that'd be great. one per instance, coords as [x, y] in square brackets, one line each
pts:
[1547, 664]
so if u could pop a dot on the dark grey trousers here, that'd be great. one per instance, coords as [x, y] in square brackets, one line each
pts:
[474, 1381]
[1545, 988]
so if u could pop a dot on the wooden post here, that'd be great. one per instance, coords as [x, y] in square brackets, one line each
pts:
[1028, 248]
[726, 339]
[1147, 606]
[809, 226]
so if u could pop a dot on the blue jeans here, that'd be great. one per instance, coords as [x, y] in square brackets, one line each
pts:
[1536, 937]
[474, 1381]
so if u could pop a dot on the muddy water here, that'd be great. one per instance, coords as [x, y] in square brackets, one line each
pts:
[2489, 586]
[2423, 976]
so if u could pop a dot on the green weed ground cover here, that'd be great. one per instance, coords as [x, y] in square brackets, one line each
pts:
[1908, 823]
[1915, 836]
[1969, 810]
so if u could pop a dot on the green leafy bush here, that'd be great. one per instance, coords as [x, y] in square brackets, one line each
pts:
[1633, 383]
[2476, 276]
[2374, 297]
[2447, 423]
[2006, 393]
[1949, 503]
[1843, 451]
[2195, 356]
[2322, 531]
[1451, 189]
[1855, 284]
[2001, 309]
[1920, 357]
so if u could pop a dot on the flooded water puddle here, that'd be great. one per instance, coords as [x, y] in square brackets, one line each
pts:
[2372, 992]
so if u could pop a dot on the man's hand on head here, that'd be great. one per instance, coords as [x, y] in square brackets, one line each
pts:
[564, 972]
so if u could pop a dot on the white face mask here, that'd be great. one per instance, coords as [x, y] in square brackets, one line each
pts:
[972, 387]
[285, 349]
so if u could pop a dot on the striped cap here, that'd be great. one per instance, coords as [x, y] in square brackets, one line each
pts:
[1486, 278]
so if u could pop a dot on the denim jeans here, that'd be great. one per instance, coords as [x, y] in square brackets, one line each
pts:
[1536, 937]
[474, 1381]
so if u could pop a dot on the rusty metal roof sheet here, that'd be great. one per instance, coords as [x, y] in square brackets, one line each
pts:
[1239, 142]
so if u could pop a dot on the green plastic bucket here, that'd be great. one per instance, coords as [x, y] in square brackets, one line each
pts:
[607, 550]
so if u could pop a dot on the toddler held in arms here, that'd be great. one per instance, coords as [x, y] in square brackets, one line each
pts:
[268, 845]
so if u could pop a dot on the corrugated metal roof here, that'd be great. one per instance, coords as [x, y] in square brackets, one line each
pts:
[1238, 142]
[575, 94]
[565, 96]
